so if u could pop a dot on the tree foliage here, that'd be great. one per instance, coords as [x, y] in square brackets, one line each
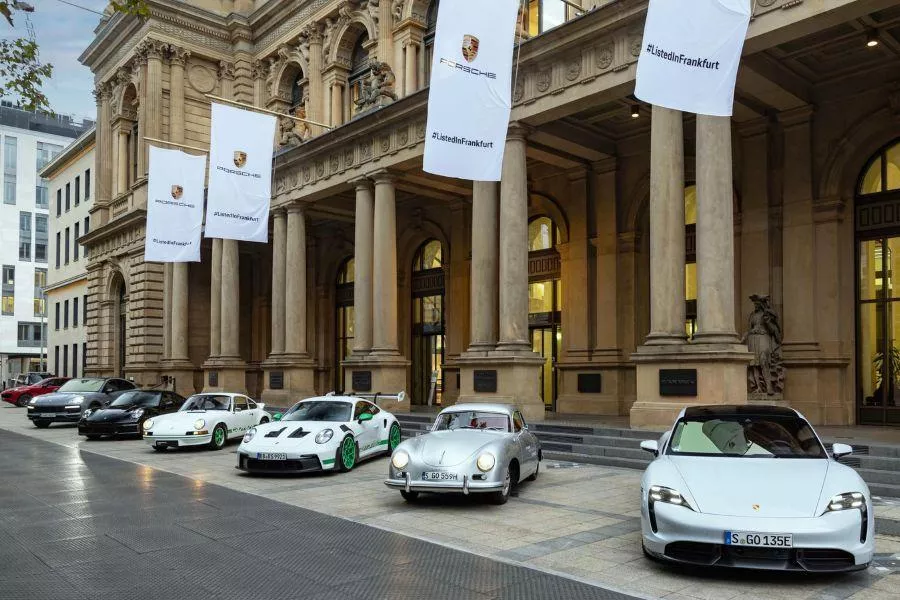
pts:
[22, 74]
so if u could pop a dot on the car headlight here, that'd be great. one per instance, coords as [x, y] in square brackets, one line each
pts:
[847, 501]
[400, 459]
[659, 493]
[324, 436]
[75, 400]
[485, 462]
[32, 402]
[249, 435]
[87, 413]
[148, 424]
[137, 413]
[199, 424]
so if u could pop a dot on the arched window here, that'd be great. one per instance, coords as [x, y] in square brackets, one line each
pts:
[430, 29]
[545, 300]
[297, 91]
[360, 70]
[428, 323]
[344, 319]
[883, 172]
[542, 234]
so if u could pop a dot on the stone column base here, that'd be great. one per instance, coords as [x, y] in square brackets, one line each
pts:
[517, 379]
[182, 372]
[385, 374]
[225, 375]
[721, 379]
[602, 391]
[287, 381]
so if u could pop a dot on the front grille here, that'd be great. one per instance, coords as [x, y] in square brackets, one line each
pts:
[304, 463]
[824, 559]
[694, 552]
[792, 559]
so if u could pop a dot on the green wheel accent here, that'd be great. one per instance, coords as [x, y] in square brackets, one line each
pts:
[394, 437]
[348, 452]
[218, 437]
[328, 461]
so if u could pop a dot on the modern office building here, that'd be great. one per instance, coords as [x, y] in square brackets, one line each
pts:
[69, 178]
[608, 273]
[29, 141]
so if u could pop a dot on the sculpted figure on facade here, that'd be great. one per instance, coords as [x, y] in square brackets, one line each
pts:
[291, 131]
[397, 10]
[765, 375]
[379, 87]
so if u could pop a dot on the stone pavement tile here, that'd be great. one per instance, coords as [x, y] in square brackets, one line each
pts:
[47, 586]
[872, 594]
[85, 549]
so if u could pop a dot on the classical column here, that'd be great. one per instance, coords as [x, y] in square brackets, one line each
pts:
[411, 85]
[667, 310]
[215, 300]
[295, 308]
[483, 286]
[514, 245]
[231, 300]
[385, 39]
[606, 268]
[167, 311]
[316, 89]
[755, 245]
[278, 276]
[122, 161]
[152, 107]
[179, 318]
[337, 104]
[363, 265]
[715, 232]
[384, 276]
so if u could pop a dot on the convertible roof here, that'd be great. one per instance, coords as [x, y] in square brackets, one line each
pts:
[756, 410]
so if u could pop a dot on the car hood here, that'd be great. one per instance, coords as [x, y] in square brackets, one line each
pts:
[63, 397]
[778, 487]
[112, 414]
[283, 434]
[450, 448]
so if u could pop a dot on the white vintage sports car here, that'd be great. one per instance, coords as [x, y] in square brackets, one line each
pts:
[205, 419]
[320, 434]
[753, 487]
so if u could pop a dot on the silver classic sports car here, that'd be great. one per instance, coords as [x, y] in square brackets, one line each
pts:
[483, 448]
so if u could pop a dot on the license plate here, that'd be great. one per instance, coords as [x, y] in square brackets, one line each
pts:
[271, 456]
[439, 476]
[764, 540]
[47, 415]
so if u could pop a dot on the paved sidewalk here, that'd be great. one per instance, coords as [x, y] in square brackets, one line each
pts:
[578, 520]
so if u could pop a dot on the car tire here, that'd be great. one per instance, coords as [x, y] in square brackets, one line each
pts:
[219, 437]
[92, 436]
[23, 400]
[502, 497]
[394, 437]
[347, 454]
[159, 448]
[537, 471]
[409, 496]
[41, 424]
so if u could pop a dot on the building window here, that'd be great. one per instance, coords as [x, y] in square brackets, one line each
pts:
[87, 228]
[46, 153]
[87, 185]
[83, 357]
[29, 335]
[24, 236]
[9, 169]
[133, 147]
[360, 70]
[345, 318]
[68, 196]
[59, 202]
[65, 361]
[8, 290]
[67, 245]
[56, 360]
[66, 314]
[539, 16]
[84, 310]
[40, 238]
[42, 194]
[57, 316]
[58, 246]
[74, 360]
[40, 281]
[77, 190]
[74, 312]
[75, 241]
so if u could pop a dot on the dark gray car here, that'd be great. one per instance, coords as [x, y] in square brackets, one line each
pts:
[67, 404]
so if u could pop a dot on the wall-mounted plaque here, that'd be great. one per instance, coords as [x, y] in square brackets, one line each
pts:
[276, 380]
[213, 379]
[362, 381]
[678, 382]
[590, 383]
[485, 381]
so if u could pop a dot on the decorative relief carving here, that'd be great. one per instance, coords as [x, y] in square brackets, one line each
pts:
[544, 77]
[379, 88]
[765, 375]
[307, 175]
[257, 69]
[334, 163]
[365, 150]
[402, 136]
[348, 157]
[397, 10]
[635, 41]
[519, 88]
[320, 168]
[385, 143]
[605, 55]
[765, 3]
[201, 79]
[573, 69]
[178, 55]
[226, 70]
[420, 130]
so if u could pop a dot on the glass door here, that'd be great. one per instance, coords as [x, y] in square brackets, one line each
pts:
[428, 350]
[544, 342]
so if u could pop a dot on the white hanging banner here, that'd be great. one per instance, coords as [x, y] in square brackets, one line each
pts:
[469, 98]
[174, 206]
[690, 55]
[240, 174]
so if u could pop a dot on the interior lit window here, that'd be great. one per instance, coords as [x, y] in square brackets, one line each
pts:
[883, 172]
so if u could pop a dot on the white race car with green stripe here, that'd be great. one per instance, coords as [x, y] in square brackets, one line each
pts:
[205, 420]
[320, 434]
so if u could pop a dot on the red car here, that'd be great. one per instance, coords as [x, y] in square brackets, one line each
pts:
[22, 395]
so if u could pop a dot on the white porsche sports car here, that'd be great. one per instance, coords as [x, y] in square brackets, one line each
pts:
[205, 419]
[320, 434]
[753, 487]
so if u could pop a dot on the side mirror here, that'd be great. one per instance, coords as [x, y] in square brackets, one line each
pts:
[365, 417]
[839, 450]
[651, 446]
[277, 416]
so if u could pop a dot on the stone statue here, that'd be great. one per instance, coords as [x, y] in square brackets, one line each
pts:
[293, 132]
[378, 87]
[765, 375]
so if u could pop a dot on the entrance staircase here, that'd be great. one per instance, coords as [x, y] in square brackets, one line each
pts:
[879, 465]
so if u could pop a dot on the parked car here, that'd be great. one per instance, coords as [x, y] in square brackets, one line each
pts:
[320, 434]
[471, 448]
[22, 395]
[205, 419]
[67, 404]
[126, 414]
[753, 487]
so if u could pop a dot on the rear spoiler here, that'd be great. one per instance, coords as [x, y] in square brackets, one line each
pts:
[399, 397]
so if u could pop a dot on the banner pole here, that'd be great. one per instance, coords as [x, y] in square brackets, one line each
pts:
[185, 146]
[265, 110]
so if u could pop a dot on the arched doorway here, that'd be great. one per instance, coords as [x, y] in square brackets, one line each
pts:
[877, 226]
[120, 324]
[545, 301]
[428, 324]
[343, 327]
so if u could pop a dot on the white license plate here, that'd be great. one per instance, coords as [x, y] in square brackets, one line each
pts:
[271, 456]
[47, 415]
[763, 540]
[439, 476]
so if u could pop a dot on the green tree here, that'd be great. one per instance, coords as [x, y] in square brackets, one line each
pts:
[22, 74]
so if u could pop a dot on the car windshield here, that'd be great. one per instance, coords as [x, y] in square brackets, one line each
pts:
[769, 436]
[145, 399]
[471, 419]
[82, 385]
[45, 382]
[206, 402]
[320, 410]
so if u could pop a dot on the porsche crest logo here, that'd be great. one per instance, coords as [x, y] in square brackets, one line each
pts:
[177, 192]
[240, 158]
[470, 47]
[756, 507]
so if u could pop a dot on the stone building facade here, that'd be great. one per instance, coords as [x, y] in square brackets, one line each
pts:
[611, 266]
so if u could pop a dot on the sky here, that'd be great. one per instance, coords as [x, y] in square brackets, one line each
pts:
[63, 32]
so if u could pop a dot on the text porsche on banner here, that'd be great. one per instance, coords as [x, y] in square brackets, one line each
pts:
[174, 206]
[690, 55]
[469, 98]
[240, 174]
